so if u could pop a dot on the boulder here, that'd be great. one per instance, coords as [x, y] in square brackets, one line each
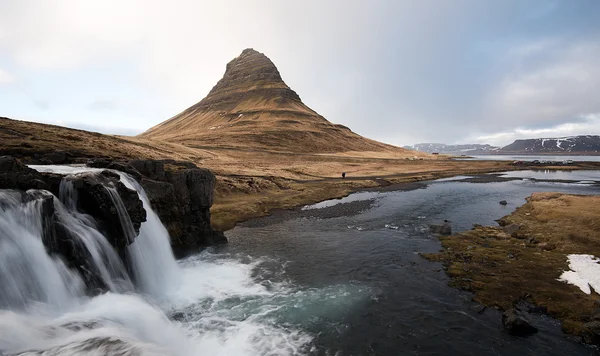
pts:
[443, 229]
[503, 202]
[591, 332]
[517, 323]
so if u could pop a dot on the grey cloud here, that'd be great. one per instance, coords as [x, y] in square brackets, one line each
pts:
[103, 105]
[397, 71]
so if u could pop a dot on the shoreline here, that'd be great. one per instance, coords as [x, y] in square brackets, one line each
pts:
[231, 209]
[519, 262]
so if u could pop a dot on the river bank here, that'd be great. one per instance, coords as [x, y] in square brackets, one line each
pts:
[522, 260]
[242, 197]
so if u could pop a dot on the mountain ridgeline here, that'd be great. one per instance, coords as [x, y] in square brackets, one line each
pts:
[252, 108]
[471, 149]
[585, 144]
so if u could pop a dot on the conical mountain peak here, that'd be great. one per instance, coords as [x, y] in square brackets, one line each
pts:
[251, 107]
[250, 71]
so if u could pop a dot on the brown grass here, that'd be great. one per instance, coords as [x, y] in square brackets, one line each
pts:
[278, 179]
[502, 269]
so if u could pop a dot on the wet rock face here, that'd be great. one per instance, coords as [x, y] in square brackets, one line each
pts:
[181, 194]
[95, 200]
[119, 166]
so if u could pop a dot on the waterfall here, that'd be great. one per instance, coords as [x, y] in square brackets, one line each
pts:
[155, 267]
[44, 308]
[28, 274]
[83, 228]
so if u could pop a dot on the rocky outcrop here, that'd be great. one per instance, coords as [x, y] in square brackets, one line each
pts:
[517, 323]
[94, 198]
[16, 175]
[181, 194]
[119, 166]
[442, 229]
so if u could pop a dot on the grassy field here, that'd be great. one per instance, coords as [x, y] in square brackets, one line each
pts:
[503, 265]
[250, 182]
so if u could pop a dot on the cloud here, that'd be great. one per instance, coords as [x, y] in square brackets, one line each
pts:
[562, 87]
[585, 125]
[103, 105]
[5, 77]
[397, 71]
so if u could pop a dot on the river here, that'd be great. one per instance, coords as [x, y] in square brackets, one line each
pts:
[342, 277]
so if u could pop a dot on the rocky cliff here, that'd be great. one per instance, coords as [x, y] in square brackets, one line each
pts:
[26, 184]
[180, 193]
[251, 107]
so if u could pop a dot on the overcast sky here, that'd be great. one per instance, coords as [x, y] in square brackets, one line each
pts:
[401, 72]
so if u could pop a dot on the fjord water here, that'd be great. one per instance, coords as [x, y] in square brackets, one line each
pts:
[517, 157]
[307, 282]
[388, 299]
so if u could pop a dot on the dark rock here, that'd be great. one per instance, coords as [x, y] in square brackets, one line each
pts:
[591, 332]
[57, 157]
[15, 175]
[59, 241]
[503, 202]
[517, 323]
[151, 169]
[443, 229]
[11, 164]
[182, 200]
[95, 200]
[118, 166]
[528, 307]
[178, 316]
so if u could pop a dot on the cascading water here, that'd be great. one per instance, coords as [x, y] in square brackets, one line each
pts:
[154, 264]
[44, 310]
[28, 275]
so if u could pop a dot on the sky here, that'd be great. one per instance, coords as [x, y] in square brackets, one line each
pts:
[402, 72]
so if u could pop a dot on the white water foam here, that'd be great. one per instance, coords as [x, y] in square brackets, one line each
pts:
[219, 306]
[28, 275]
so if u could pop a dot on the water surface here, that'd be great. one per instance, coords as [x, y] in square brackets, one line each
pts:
[384, 299]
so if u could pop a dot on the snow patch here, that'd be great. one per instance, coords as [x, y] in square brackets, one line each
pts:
[584, 273]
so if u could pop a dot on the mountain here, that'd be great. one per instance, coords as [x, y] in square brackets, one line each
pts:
[587, 144]
[252, 108]
[466, 149]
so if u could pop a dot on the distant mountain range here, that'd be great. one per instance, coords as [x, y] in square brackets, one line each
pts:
[584, 144]
[575, 144]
